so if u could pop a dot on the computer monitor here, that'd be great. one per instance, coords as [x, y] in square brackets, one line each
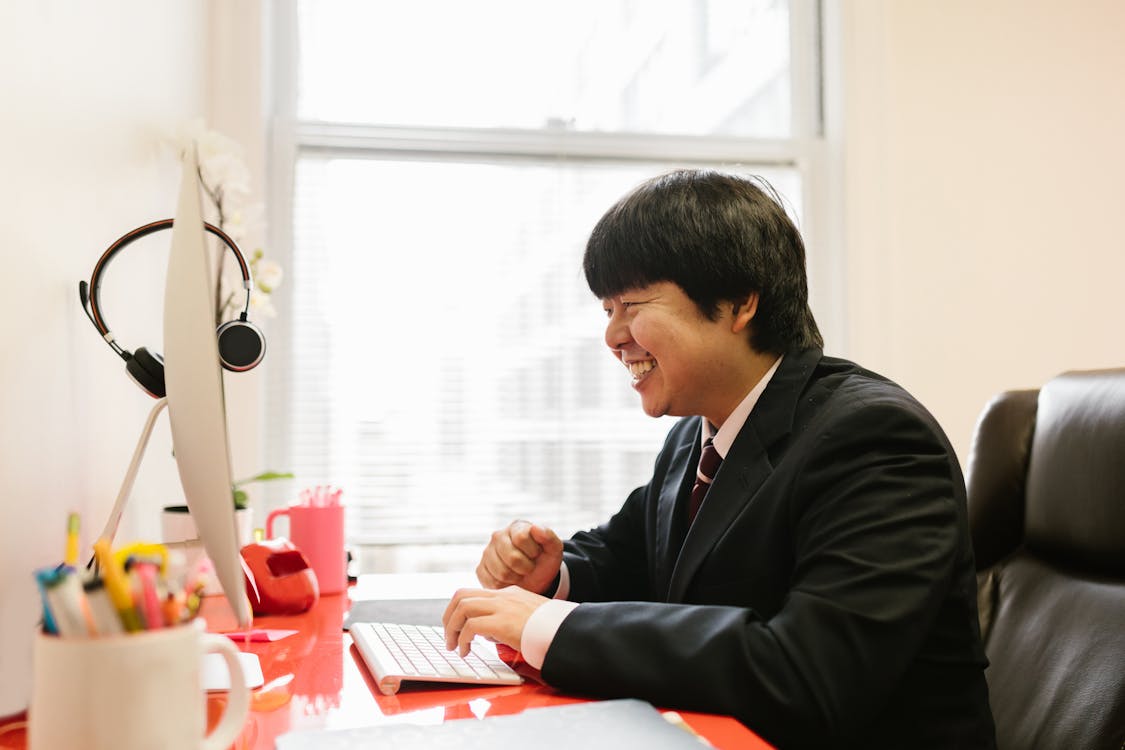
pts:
[196, 404]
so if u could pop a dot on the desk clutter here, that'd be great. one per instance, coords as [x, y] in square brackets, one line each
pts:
[119, 660]
[138, 587]
[137, 690]
[146, 586]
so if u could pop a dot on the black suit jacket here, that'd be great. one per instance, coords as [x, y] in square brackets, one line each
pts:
[826, 591]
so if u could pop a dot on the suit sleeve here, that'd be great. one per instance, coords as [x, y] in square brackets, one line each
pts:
[874, 526]
[614, 561]
[609, 563]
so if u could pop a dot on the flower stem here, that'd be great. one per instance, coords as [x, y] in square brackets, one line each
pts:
[216, 196]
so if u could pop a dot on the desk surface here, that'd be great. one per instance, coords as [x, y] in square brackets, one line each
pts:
[314, 679]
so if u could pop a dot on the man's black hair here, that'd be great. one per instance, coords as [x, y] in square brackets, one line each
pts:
[720, 237]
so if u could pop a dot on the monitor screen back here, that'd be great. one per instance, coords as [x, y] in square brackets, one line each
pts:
[196, 406]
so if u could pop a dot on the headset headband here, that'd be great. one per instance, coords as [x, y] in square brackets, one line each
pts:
[91, 291]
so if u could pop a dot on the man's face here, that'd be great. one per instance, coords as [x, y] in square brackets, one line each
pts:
[681, 363]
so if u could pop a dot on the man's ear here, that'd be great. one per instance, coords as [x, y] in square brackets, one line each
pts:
[744, 312]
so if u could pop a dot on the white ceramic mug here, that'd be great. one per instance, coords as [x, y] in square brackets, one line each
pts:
[178, 531]
[138, 691]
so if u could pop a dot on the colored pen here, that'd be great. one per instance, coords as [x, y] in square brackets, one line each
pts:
[72, 524]
[193, 599]
[117, 586]
[173, 608]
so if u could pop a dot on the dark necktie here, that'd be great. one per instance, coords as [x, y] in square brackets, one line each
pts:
[709, 462]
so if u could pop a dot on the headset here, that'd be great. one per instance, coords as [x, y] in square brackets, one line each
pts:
[241, 343]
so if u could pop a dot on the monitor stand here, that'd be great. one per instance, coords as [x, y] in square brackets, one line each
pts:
[214, 676]
[114, 519]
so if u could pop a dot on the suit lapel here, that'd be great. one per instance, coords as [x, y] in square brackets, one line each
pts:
[745, 468]
[669, 516]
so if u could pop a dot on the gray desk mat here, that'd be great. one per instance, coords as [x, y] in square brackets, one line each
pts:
[401, 611]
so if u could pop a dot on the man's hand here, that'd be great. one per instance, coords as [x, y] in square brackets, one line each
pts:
[524, 555]
[496, 615]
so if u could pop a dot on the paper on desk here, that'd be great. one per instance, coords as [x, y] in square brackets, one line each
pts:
[599, 725]
[214, 675]
[259, 635]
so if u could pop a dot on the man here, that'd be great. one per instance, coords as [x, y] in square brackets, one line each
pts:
[823, 592]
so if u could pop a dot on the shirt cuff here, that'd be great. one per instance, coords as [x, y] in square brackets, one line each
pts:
[563, 589]
[540, 629]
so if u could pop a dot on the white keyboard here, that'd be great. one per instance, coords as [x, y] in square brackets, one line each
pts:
[395, 653]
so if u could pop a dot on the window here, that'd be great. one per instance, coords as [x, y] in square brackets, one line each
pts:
[440, 357]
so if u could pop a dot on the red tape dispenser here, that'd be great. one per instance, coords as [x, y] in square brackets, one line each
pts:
[279, 579]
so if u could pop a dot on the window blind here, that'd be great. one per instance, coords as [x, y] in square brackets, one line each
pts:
[440, 357]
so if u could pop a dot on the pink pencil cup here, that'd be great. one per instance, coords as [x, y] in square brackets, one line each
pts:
[318, 531]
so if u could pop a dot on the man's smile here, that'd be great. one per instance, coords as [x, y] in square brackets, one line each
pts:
[640, 369]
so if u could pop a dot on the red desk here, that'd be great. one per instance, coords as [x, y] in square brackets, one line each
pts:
[314, 679]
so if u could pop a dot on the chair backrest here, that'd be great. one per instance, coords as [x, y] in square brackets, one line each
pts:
[1046, 489]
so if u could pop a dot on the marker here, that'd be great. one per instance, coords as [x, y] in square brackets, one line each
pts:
[106, 621]
[45, 577]
[65, 596]
[84, 607]
[117, 585]
[149, 599]
[143, 549]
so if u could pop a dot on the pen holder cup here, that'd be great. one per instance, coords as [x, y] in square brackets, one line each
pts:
[133, 691]
[318, 531]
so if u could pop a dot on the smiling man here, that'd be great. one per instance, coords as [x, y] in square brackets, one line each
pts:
[800, 558]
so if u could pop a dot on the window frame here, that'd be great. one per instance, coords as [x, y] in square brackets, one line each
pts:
[811, 150]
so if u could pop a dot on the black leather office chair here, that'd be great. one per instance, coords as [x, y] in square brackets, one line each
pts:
[1046, 482]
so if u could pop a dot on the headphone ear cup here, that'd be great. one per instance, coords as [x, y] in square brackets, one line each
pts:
[147, 370]
[242, 345]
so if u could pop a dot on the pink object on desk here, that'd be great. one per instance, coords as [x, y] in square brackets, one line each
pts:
[318, 532]
[259, 635]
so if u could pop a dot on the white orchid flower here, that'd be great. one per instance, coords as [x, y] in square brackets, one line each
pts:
[261, 305]
[268, 275]
[226, 183]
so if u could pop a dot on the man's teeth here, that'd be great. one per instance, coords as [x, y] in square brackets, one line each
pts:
[638, 369]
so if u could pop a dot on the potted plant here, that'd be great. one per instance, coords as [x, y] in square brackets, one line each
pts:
[178, 529]
[240, 497]
[177, 526]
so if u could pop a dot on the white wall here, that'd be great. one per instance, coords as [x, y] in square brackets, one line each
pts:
[983, 160]
[90, 91]
[236, 106]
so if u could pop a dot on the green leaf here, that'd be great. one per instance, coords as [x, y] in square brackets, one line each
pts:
[241, 501]
[265, 476]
